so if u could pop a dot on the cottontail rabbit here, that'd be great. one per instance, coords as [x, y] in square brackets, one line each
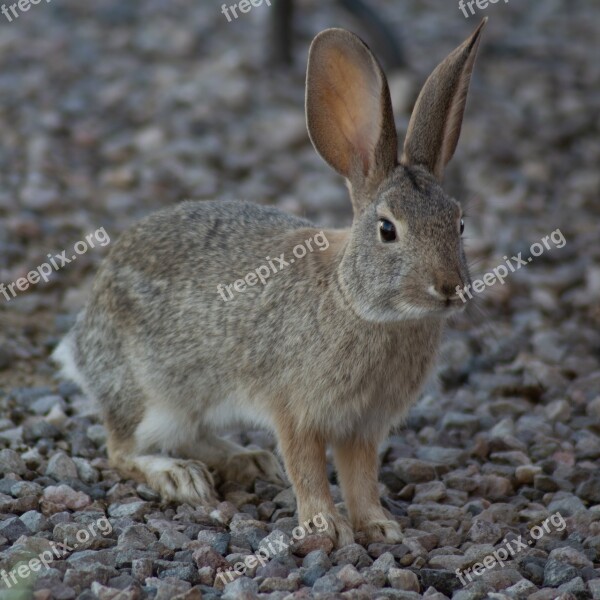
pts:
[331, 347]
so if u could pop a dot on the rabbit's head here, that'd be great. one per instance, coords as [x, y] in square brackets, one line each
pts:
[404, 257]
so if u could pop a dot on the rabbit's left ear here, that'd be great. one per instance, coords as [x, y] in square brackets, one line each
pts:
[436, 120]
[348, 109]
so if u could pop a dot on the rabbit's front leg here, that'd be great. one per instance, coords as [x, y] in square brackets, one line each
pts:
[305, 461]
[358, 466]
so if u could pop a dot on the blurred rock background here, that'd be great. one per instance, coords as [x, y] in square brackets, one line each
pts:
[110, 110]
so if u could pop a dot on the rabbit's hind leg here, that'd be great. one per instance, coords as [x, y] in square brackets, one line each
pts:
[176, 479]
[233, 462]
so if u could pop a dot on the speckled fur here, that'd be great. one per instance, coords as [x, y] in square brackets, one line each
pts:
[331, 351]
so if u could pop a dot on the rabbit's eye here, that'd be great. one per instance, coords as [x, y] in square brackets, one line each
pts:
[462, 226]
[387, 230]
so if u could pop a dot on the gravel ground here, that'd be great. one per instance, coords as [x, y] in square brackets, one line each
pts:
[111, 112]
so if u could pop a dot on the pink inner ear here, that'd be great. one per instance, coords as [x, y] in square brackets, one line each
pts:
[360, 115]
[345, 105]
[365, 151]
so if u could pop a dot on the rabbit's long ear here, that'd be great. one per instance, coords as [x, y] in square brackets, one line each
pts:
[349, 111]
[436, 120]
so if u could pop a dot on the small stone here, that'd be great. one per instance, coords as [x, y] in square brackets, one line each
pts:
[224, 512]
[444, 456]
[97, 434]
[317, 558]
[85, 471]
[558, 410]
[34, 521]
[566, 504]
[167, 588]
[43, 405]
[174, 540]
[6, 503]
[521, 589]
[434, 512]
[133, 510]
[576, 588]
[242, 588]
[565, 554]
[384, 562]
[136, 536]
[524, 474]
[451, 562]
[501, 578]
[495, 487]
[593, 408]
[594, 585]
[61, 467]
[352, 554]
[402, 579]
[485, 532]
[328, 584]
[445, 582]
[11, 462]
[350, 577]
[25, 488]
[412, 470]
[278, 584]
[13, 528]
[40, 429]
[432, 491]
[277, 544]
[311, 543]
[66, 497]
[207, 557]
[557, 573]
[141, 568]
[217, 540]
[590, 489]
[286, 499]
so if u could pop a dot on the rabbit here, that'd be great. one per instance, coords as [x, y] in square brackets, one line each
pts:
[330, 351]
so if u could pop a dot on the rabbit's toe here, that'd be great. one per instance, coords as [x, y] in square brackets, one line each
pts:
[343, 533]
[337, 528]
[185, 481]
[248, 466]
[382, 530]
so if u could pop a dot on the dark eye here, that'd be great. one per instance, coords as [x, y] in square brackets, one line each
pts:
[387, 230]
[462, 226]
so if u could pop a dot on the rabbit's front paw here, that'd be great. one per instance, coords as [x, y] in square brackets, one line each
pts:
[248, 466]
[381, 530]
[331, 524]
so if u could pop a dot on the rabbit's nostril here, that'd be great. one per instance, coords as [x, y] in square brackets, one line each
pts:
[447, 290]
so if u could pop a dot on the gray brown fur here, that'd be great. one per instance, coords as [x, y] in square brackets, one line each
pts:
[331, 351]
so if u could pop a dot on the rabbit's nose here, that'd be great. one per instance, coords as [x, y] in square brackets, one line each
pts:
[446, 290]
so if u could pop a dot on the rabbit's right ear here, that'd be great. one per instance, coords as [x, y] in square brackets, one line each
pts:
[349, 111]
[435, 124]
